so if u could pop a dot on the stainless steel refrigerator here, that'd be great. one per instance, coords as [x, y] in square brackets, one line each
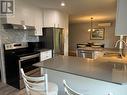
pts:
[53, 38]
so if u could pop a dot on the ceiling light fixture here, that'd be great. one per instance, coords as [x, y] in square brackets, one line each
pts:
[91, 25]
[63, 4]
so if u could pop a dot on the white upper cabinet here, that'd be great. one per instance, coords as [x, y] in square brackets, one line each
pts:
[121, 16]
[28, 15]
[24, 14]
[53, 18]
[17, 17]
[38, 22]
[49, 18]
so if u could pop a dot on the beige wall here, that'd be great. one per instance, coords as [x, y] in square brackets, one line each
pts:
[78, 33]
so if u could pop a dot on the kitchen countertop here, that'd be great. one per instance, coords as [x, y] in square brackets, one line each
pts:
[111, 50]
[107, 69]
[99, 49]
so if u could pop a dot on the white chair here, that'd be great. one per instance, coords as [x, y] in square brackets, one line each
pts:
[68, 90]
[39, 85]
[83, 53]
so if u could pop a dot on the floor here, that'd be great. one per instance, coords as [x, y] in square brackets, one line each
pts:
[72, 53]
[9, 90]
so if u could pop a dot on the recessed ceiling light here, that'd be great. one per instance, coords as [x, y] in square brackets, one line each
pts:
[62, 4]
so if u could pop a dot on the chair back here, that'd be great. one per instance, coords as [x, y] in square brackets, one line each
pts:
[35, 85]
[83, 54]
[68, 90]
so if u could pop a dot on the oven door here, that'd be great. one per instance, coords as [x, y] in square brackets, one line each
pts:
[27, 62]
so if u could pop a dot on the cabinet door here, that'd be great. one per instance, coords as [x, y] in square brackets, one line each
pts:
[28, 16]
[61, 19]
[42, 55]
[50, 18]
[46, 55]
[16, 18]
[38, 23]
[23, 14]
[38, 31]
[49, 54]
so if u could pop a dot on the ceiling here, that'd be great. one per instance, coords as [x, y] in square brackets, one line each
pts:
[82, 10]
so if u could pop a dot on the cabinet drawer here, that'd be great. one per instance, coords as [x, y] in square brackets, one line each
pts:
[46, 55]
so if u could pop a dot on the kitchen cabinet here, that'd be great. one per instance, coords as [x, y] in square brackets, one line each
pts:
[26, 14]
[16, 18]
[38, 31]
[33, 16]
[38, 22]
[28, 18]
[49, 18]
[21, 14]
[54, 18]
[121, 15]
[44, 55]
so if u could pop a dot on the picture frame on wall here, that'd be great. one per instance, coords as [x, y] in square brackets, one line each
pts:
[97, 34]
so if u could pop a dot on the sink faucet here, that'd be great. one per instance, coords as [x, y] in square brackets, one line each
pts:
[121, 42]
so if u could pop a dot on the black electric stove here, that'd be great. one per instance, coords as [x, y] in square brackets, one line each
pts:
[17, 56]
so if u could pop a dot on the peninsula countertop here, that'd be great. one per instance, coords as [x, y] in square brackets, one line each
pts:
[100, 49]
[104, 69]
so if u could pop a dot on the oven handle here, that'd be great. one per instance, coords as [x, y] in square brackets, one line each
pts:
[29, 57]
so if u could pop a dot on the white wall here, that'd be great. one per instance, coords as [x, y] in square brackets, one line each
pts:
[78, 33]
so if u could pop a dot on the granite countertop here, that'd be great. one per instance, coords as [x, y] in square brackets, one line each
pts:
[105, 69]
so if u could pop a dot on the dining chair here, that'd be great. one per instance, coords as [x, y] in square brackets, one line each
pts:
[68, 90]
[83, 54]
[39, 85]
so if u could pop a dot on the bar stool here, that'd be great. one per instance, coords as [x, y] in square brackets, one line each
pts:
[39, 85]
[68, 90]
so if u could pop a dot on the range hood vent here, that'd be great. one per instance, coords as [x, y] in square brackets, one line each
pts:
[18, 27]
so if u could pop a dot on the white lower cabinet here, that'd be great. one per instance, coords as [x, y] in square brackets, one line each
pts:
[46, 55]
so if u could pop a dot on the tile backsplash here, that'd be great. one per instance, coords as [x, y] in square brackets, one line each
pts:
[11, 36]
